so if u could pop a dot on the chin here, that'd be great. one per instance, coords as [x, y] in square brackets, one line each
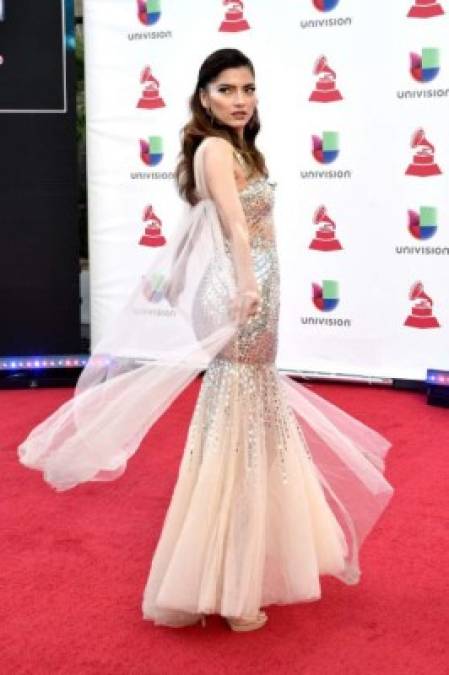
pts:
[235, 124]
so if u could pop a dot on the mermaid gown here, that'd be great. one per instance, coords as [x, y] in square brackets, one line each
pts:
[248, 524]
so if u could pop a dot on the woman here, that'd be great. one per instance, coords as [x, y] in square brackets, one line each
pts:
[267, 531]
[276, 486]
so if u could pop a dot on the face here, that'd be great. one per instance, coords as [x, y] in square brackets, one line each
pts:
[231, 97]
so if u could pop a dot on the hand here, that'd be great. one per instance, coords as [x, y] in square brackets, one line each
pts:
[245, 305]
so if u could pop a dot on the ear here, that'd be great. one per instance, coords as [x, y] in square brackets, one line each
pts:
[204, 99]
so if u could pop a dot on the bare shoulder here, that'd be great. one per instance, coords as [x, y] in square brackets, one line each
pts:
[217, 144]
[220, 163]
[220, 159]
[215, 155]
[218, 149]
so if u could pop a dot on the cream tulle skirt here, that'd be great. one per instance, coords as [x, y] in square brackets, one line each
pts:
[248, 524]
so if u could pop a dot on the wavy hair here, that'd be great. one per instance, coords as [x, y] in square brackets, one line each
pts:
[201, 125]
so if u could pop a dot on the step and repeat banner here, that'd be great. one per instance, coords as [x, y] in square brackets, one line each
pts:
[354, 102]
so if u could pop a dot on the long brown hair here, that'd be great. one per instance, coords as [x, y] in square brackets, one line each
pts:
[201, 125]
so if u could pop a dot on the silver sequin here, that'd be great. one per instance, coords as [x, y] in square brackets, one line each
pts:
[244, 374]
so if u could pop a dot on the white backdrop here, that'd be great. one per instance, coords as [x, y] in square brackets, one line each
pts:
[377, 103]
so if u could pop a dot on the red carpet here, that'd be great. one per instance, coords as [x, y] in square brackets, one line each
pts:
[73, 564]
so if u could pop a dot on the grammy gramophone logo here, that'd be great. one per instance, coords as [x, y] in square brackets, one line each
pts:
[234, 20]
[325, 5]
[425, 67]
[150, 98]
[325, 233]
[423, 163]
[325, 148]
[152, 235]
[421, 313]
[325, 87]
[149, 11]
[151, 150]
[425, 9]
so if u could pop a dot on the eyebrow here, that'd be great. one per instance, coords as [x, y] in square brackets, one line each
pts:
[226, 84]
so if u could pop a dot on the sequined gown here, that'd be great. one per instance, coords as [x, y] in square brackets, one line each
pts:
[248, 524]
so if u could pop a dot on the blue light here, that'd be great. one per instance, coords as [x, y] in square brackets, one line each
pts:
[440, 377]
[14, 363]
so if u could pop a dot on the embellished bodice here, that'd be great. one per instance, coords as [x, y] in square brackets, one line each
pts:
[255, 342]
[257, 199]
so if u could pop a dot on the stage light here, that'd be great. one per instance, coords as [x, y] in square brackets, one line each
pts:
[437, 382]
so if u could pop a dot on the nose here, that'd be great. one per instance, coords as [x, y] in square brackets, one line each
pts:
[239, 98]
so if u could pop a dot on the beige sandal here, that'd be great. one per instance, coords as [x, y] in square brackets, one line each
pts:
[243, 624]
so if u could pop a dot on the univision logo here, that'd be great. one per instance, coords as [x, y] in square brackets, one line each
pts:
[325, 5]
[152, 154]
[151, 151]
[425, 67]
[423, 225]
[149, 11]
[325, 150]
[325, 297]
[154, 288]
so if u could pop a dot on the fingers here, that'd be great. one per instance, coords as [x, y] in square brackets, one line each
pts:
[243, 308]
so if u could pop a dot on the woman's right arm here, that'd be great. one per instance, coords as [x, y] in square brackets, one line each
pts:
[221, 185]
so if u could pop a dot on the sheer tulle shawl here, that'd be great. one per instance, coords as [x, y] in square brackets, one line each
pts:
[159, 342]
[350, 459]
